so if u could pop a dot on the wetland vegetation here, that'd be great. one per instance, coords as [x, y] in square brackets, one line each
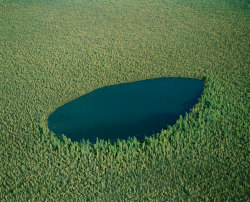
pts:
[52, 51]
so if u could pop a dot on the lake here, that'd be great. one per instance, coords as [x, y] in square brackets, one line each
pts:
[139, 109]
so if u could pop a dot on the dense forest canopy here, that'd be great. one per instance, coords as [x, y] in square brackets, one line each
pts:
[54, 51]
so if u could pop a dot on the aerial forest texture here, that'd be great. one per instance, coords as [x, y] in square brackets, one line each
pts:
[53, 51]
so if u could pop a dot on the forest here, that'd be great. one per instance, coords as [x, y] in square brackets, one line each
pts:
[53, 51]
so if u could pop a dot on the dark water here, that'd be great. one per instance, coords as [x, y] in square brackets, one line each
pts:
[133, 109]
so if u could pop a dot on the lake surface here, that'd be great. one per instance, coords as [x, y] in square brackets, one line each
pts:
[137, 109]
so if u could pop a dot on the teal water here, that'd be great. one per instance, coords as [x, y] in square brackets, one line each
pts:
[132, 109]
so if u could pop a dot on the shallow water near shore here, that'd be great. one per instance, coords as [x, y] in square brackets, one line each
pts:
[137, 109]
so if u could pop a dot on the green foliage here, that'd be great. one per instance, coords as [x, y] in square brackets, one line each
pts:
[217, 4]
[54, 51]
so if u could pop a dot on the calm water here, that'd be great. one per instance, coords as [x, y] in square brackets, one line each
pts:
[133, 109]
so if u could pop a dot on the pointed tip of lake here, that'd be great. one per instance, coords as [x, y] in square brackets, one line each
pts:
[137, 109]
